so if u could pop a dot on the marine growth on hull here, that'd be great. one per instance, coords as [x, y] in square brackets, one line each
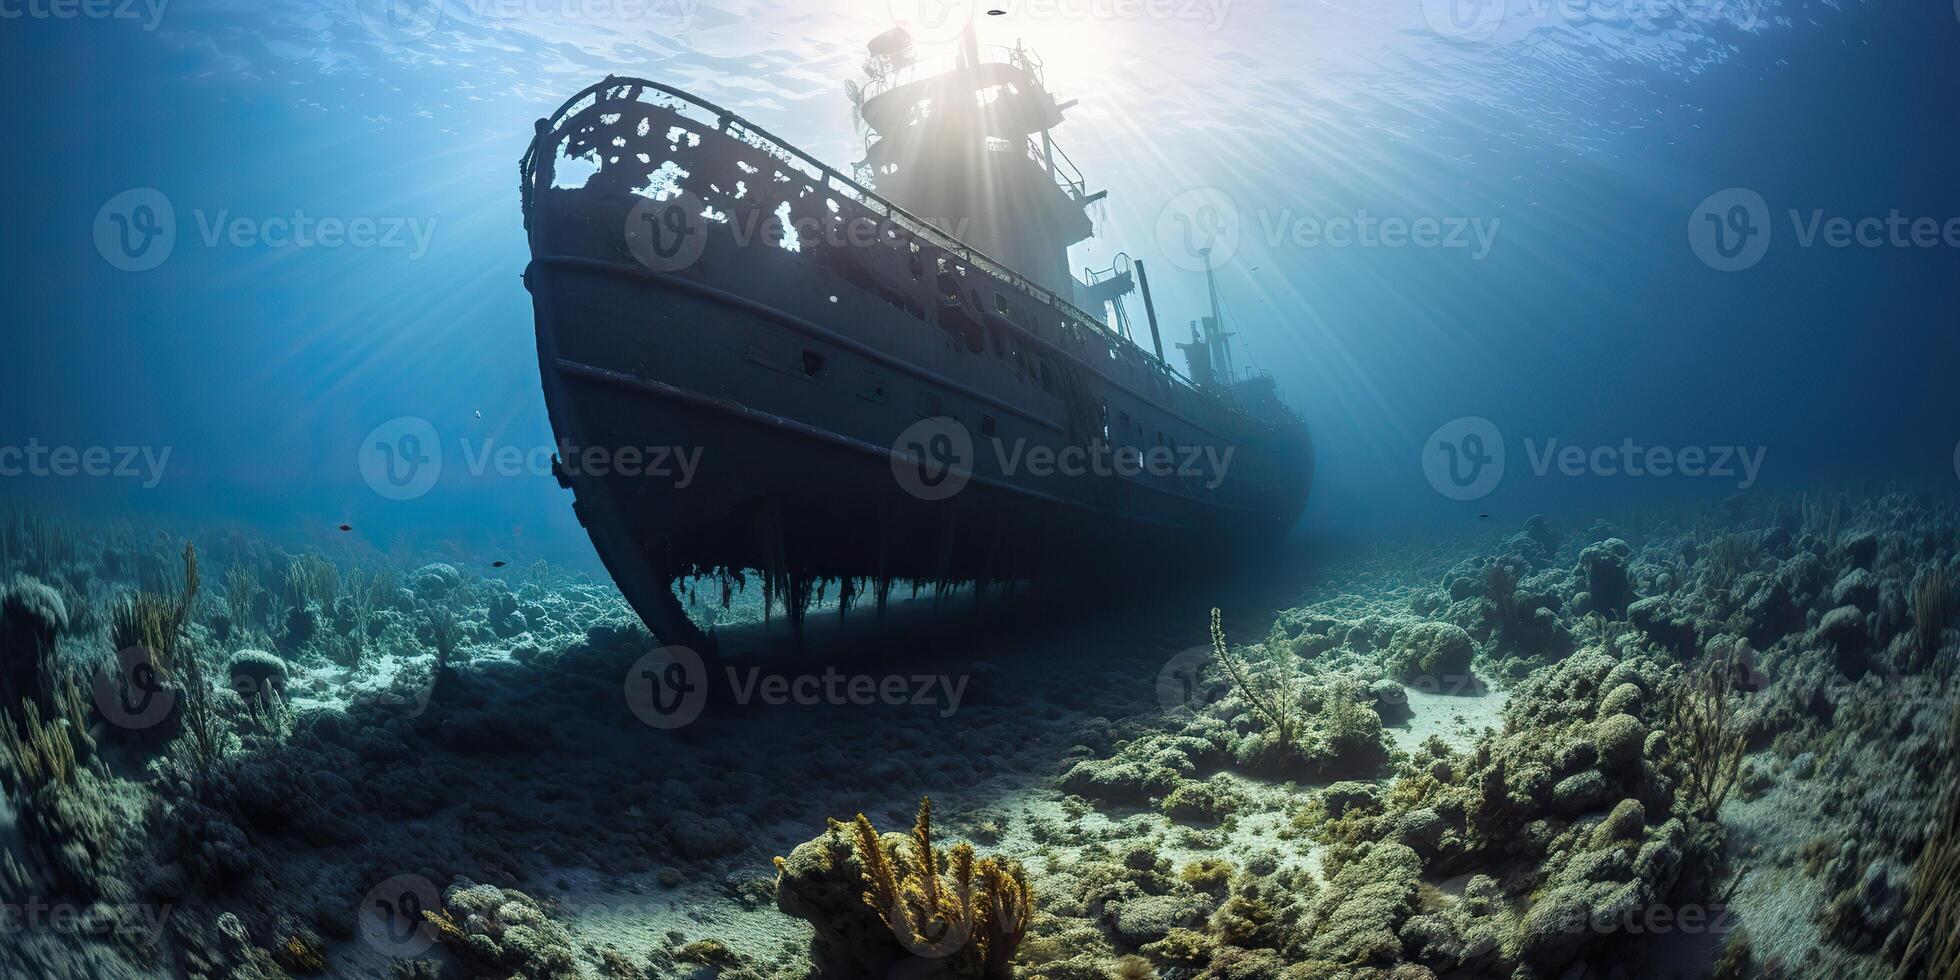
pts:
[1691, 741]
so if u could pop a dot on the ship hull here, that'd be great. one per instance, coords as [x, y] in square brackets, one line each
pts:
[832, 413]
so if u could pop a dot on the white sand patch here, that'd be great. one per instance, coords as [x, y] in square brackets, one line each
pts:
[638, 916]
[1457, 718]
[335, 686]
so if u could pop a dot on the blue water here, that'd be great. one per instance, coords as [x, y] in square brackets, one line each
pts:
[1583, 139]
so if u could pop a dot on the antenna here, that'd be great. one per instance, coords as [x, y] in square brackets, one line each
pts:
[1217, 340]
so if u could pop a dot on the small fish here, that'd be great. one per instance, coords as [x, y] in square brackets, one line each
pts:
[479, 413]
[498, 564]
[347, 527]
[996, 12]
[1483, 517]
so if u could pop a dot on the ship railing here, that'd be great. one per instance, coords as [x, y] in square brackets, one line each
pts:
[895, 75]
[708, 114]
[1067, 175]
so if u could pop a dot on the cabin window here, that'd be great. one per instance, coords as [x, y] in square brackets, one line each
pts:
[812, 363]
[1004, 308]
[987, 426]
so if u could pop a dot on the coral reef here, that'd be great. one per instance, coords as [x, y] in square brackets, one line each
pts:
[951, 913]
[1510, 753]
[502, 932]
[1932, 944]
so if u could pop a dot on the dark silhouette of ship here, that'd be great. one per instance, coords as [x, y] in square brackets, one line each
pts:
[899, 386]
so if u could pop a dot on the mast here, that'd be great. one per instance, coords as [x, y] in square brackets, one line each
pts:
[1217, 341]
[1150, 309]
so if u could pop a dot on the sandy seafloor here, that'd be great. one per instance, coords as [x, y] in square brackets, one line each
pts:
[1487, 774]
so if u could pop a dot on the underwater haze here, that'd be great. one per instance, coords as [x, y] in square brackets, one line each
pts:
[1561, 158]
[1615, 635]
